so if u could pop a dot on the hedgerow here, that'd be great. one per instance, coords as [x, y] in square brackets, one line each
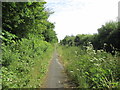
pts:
[20, 60]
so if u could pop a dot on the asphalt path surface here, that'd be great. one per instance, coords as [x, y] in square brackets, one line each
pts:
[56, 76]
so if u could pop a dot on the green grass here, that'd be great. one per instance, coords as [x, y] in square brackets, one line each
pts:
[89, 68]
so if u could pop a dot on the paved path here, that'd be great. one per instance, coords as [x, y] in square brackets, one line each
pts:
[56, 77]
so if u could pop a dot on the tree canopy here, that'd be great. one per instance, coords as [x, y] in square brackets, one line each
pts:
[27, 20]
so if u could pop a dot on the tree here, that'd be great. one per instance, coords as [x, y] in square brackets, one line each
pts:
[27, 20]
[77, 41]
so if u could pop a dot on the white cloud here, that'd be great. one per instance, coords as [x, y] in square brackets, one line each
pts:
[81, 16]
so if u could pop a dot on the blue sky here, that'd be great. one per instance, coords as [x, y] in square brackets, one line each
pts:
[72, 17]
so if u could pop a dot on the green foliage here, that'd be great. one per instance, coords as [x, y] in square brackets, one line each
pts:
[28, 37]
[8, 37]
[78, 40]
[91, 69]
[68, 40]
[27, 18]
[19, 60]
[108, 34]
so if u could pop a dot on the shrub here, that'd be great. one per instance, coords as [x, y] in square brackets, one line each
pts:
[22, 59]
[91, 69]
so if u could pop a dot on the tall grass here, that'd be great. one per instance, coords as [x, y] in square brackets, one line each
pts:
[25, 63]
[91, 69]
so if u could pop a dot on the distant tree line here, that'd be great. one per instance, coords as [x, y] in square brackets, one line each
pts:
[107, 38]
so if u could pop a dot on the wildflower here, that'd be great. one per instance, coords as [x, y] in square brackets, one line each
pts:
[94, 52]
[71, 71]
[91, 60]
[97, 64]
[98, 51]
[9, 79]
[102, 50]
[105, 44]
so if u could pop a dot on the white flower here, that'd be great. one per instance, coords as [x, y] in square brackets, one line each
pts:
[71, 71]
[97, 64]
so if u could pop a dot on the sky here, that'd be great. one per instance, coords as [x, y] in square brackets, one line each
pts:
[72, 17]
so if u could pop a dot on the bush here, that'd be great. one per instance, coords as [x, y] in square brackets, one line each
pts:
[22, 59]
[91, 69]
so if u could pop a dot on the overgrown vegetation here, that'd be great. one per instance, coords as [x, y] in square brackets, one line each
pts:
[23, 65]
[28, 43]
[28, 37]
[91, 69]
[92, 61]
